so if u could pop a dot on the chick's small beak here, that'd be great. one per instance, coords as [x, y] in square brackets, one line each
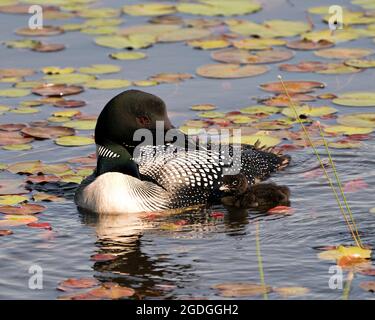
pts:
[224, 187]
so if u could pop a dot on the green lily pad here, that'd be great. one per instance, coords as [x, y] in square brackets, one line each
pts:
[260, 109]
[339, 129]
[356, 99]
[17, 147]
[71, 78]
[108, 84]
[309, 111]
[74, 141]
[12, 199]
[4, 109]
[362, 120]
[81, 124]
[100, 69]
[14, 93]
[136, 41]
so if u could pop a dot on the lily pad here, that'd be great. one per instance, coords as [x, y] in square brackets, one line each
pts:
[12, 199]
[108, 84]
[362, 120]
[25, 209]
[356, 99]
[347, 130]
[309, 111]
[230, 71]
[149, 9]
[56, 90]
[48, 132]
[292, 86]
[128, 55]
[69, 79]
[242, 289]
[17, 220]
[305, 44]
[360, 63]
[45, 31]
[344, 53]
[100, 69]
[17, 147]
[136, 41]
[81, 124]
[203, 107]
[219, 8]
[245, 57]
[185, 34]
[257, 44]
[74, 141]
[14, 93]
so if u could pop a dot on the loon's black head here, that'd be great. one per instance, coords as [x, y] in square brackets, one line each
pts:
[127, 112]
[236, 183]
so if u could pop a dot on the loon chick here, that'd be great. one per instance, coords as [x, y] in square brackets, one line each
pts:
[262, 196]
[152, 175]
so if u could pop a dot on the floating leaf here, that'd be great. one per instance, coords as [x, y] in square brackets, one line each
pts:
[69, 103]
[291, 291]
[40, 225]
[112, 291]
[128, 55]
[22, 44]
[149, 9]
[335, 37]
[82, 283]
[47, 197]
[241, 289]
[137, 41]
[99, 13]
[145, 83]
[25, 209]
[48, 47]
[368, 286]
[17, 147]
[100, 69]
[74, 141]
[245, 57]
[53, 90]
[360, 63]
[219, 8]
[260, 109]
[4, 109]
[209, 44]
[12, 126]
[305, 44]
[257, 44]
[25, 110]
[108, 84]
[68, 79]
[292, 86]
[230, 71]
[185, 34]
[355, 185]
[48, 132]
[45, 31]
[348, 130]
[10, 137]
[14, 93]
[309, 111]
[362, 120]
[304, 66]
[81, 124]
[57, 70]
[344, 53]
[170, 77]
[12, 199]
[264, 140]
[338, 68]
[356, 99]
[341, 251]
[17, 220]
[203, 107]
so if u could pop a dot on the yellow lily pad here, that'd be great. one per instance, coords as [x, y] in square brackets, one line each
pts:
[335, 37]
[347, 130]
[184, 34]
[309, 111]
[74, 141]
[4, 109]
[265, 140]
[291, 291]
[356, 99]
[100, 69]
[219, 8]
[260, 109]
[211, 114]
[362, 120]
[99, 13]
[203, 107]
[257, 44]
[17, 147]
[209, 44]
[12, 200]
[149, 9]
[57, 70]
[17, 220]
[230, 71]
[128, 55]
[70, 78]
[108, 84]
[360, 63]
[25, 110]
[14, 93]
[81, 124]
[136, 41]
[145, 83]
[341, 251]
[66, 113]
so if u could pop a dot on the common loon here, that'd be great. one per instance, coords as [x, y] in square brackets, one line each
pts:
[132, 177]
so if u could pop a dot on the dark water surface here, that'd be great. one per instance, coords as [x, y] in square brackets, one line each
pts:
[206, 251]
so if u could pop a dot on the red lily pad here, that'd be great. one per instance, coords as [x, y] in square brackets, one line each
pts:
[56, 90]
[304, 66]
[5, 233]
[368, 272]
[281, 210]
[73, 283]
[12, 126]
[48, 132]
[40, 225]
[305, 44]
[101, 257]
[25, 209]
[11, 187]
[217, 215]
[69, 103]
[23, 8]
[292, 86]
[10, 73]
[41, 178]
[368, 286]
[112, 291]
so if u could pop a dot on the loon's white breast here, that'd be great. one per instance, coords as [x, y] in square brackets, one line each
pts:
[114, 192]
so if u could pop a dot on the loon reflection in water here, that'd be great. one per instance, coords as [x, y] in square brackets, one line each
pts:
[162, 176]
